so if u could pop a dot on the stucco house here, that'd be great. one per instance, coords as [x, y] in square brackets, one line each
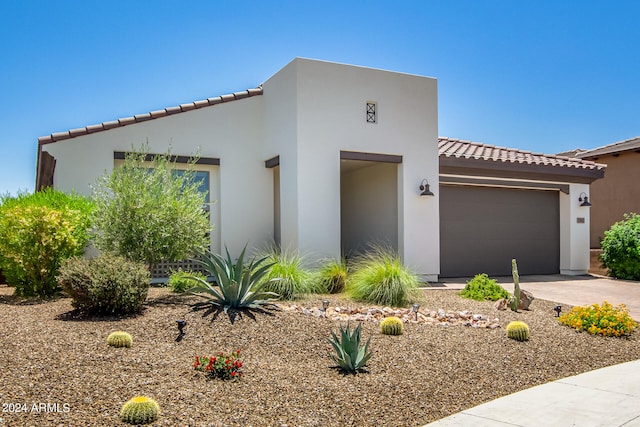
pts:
[325, 158]
[618, 193]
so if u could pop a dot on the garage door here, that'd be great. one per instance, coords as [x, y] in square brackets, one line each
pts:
[483, 228]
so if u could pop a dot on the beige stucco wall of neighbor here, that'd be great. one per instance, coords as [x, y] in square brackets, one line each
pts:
[614, 195]
[369, 207]
[574, 231]
[241, 187]
[316, 109]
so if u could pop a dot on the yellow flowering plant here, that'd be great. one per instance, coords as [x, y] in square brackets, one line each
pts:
[605, 319]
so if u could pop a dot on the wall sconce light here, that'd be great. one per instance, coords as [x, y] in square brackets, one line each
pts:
[584, 199]
[424, 188]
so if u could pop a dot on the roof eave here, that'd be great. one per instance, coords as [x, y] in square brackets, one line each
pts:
[502, 169]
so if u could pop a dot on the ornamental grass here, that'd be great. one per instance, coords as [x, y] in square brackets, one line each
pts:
[380, 277]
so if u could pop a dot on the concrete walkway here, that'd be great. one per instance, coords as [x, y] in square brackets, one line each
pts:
[605, 397]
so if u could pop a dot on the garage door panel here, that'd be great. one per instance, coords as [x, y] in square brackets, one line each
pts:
[483, 228]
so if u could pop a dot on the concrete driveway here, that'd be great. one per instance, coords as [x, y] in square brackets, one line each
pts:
[570, 290]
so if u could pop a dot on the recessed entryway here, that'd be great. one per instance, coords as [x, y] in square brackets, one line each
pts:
[368, 204]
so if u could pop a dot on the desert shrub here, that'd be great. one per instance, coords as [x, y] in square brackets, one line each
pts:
[107, 284]
[332, 276]
[37, 232]
[149, 213]
[482, 288]
[621, 248]
[380, 277]
[180, 281]
[288, 267]
[604, 319]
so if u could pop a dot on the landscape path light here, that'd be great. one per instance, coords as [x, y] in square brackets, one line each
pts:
[325, 305]
[557, 309]
[181, 324]
[415, 308]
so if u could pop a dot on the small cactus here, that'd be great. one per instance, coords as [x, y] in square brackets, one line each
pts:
[140, 410]
[518, 331]
[120, 339]
[391, 326]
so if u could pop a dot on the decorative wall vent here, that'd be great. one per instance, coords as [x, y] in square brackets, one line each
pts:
[371, 112]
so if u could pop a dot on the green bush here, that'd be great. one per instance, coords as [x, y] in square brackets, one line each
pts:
[482, 288]
[180, 281]
[332, 277]
[380, 277]
[621, 248]
[293, 278]
[37, 232]
[107, 284]
[146, 212]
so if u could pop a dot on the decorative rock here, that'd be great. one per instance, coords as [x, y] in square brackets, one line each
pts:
[502, 304]
[376, 314]
[526, 298]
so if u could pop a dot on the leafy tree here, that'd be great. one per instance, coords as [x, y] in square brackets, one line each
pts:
[147, 212]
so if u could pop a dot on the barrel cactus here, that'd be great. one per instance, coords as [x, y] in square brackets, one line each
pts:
[140, 410]
[518, 331]
[120, 339]
[391, 326]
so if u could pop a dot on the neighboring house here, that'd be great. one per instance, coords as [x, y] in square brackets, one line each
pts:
[619, 192]
[326, 158]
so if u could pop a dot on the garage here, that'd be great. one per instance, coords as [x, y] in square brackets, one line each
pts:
[483, 228]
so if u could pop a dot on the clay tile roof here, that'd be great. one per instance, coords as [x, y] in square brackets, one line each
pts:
[58, 136]
[632, 144]
[451, 147]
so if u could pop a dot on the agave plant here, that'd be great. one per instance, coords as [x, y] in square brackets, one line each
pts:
[238, 285]
[350, 355]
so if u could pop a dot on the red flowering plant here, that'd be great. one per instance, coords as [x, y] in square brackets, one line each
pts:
[224, 366]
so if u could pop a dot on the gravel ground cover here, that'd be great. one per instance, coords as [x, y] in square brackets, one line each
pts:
[50, 356]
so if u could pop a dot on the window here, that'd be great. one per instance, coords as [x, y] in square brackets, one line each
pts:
[371, 112]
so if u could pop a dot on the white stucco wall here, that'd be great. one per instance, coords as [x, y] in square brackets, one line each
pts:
[574, 235]
[242, 188]
[327, 102]
[309, 112]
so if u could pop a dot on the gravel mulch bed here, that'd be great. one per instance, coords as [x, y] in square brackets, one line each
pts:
[49, 356]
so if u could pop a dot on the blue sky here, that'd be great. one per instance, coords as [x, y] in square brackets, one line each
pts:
[544, 76]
